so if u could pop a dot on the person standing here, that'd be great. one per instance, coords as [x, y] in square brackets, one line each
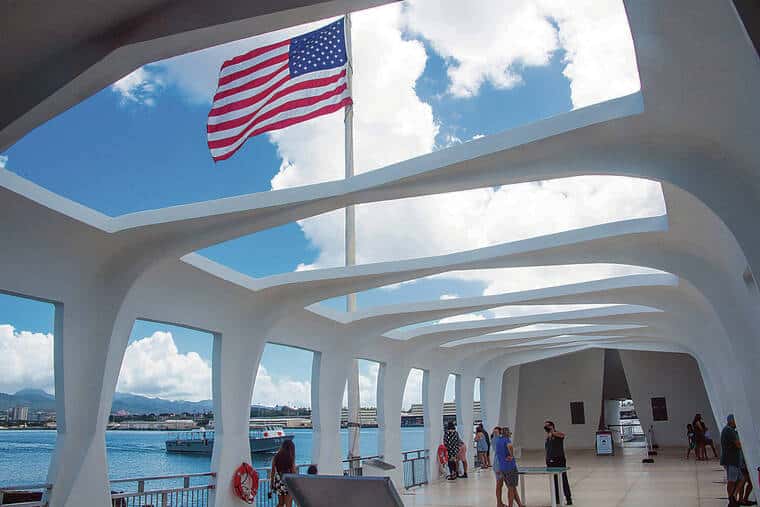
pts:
[699, 436]
[284, 462]
[509, 470]
[462, 457]
[555, 457]
[499, 444]
[692, 444]
[451, 441]
[744, 486]
[488, 444]
[481, 445]
[730, 458]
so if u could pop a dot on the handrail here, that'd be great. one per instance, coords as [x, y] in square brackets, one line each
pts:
[163, 477]
[163, 491]
[359, 458]
[27, 486]
[420, 454]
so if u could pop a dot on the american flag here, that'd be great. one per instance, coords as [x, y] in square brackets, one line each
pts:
[278, 85]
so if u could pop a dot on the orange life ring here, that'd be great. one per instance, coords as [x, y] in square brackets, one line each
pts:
[245, 483]
[443, 455]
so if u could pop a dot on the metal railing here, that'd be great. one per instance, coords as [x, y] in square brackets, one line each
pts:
[355, 465]
[27, 495]
[194, 489]
[187, 495]
[415, 465]
[263, 497]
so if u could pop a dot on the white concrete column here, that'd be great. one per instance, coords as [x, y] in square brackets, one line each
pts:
[329, 374]
[85, 377]
[465, 391]
[728, 365]
[490, 404]
[391, 381]
[742, 401]
[433, 389]
[715, 394]
[510, 391]
[235, 360]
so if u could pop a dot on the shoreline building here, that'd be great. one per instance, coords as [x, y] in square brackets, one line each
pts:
[166, 425]
[18, 414]
[682, 329]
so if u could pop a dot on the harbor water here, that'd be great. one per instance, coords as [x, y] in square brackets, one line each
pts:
[25, 454]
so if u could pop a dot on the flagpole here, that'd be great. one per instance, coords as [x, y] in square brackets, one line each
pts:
[350, 245]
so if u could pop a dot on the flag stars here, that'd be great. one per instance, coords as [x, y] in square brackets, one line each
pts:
[318, 50]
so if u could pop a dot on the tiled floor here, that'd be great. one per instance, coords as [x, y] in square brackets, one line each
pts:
[620, 480]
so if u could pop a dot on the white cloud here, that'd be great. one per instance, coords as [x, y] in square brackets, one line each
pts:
[3, 161]
[401, 126]
[493, 42]
[368, 384]
[599, 53]
[26, 360]
[465, 317]
[391, 122]
[449, 394]
[139, 87]
[514, 279]
[497, 40]
[464, 220]
[368, 375]
[271, 391]
[196, 74]
[489, 42]
[154, 367]
[413, 389]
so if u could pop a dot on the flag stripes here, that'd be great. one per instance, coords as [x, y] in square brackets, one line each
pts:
[276, 86]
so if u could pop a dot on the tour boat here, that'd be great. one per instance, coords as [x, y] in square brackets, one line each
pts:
[261, 438]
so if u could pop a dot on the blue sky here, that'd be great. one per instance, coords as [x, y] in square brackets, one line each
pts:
[140, 144]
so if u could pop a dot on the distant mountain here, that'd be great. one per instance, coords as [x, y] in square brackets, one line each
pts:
[135, 404]
[36, 399]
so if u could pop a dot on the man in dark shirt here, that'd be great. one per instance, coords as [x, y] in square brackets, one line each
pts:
[555, 457]
[730, 458]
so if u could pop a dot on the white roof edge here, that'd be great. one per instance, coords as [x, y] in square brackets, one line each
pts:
[623, 281]
[504, 338]
[530, 319]
[612, 109]
[220, 271]
[55, 202]
[455, 260]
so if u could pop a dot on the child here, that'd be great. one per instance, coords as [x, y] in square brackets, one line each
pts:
[462, 458]
[692, 440]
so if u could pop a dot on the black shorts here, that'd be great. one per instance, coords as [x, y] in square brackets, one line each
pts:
[511, 478]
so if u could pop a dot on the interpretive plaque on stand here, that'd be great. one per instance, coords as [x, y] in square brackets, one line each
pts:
[333, 490]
